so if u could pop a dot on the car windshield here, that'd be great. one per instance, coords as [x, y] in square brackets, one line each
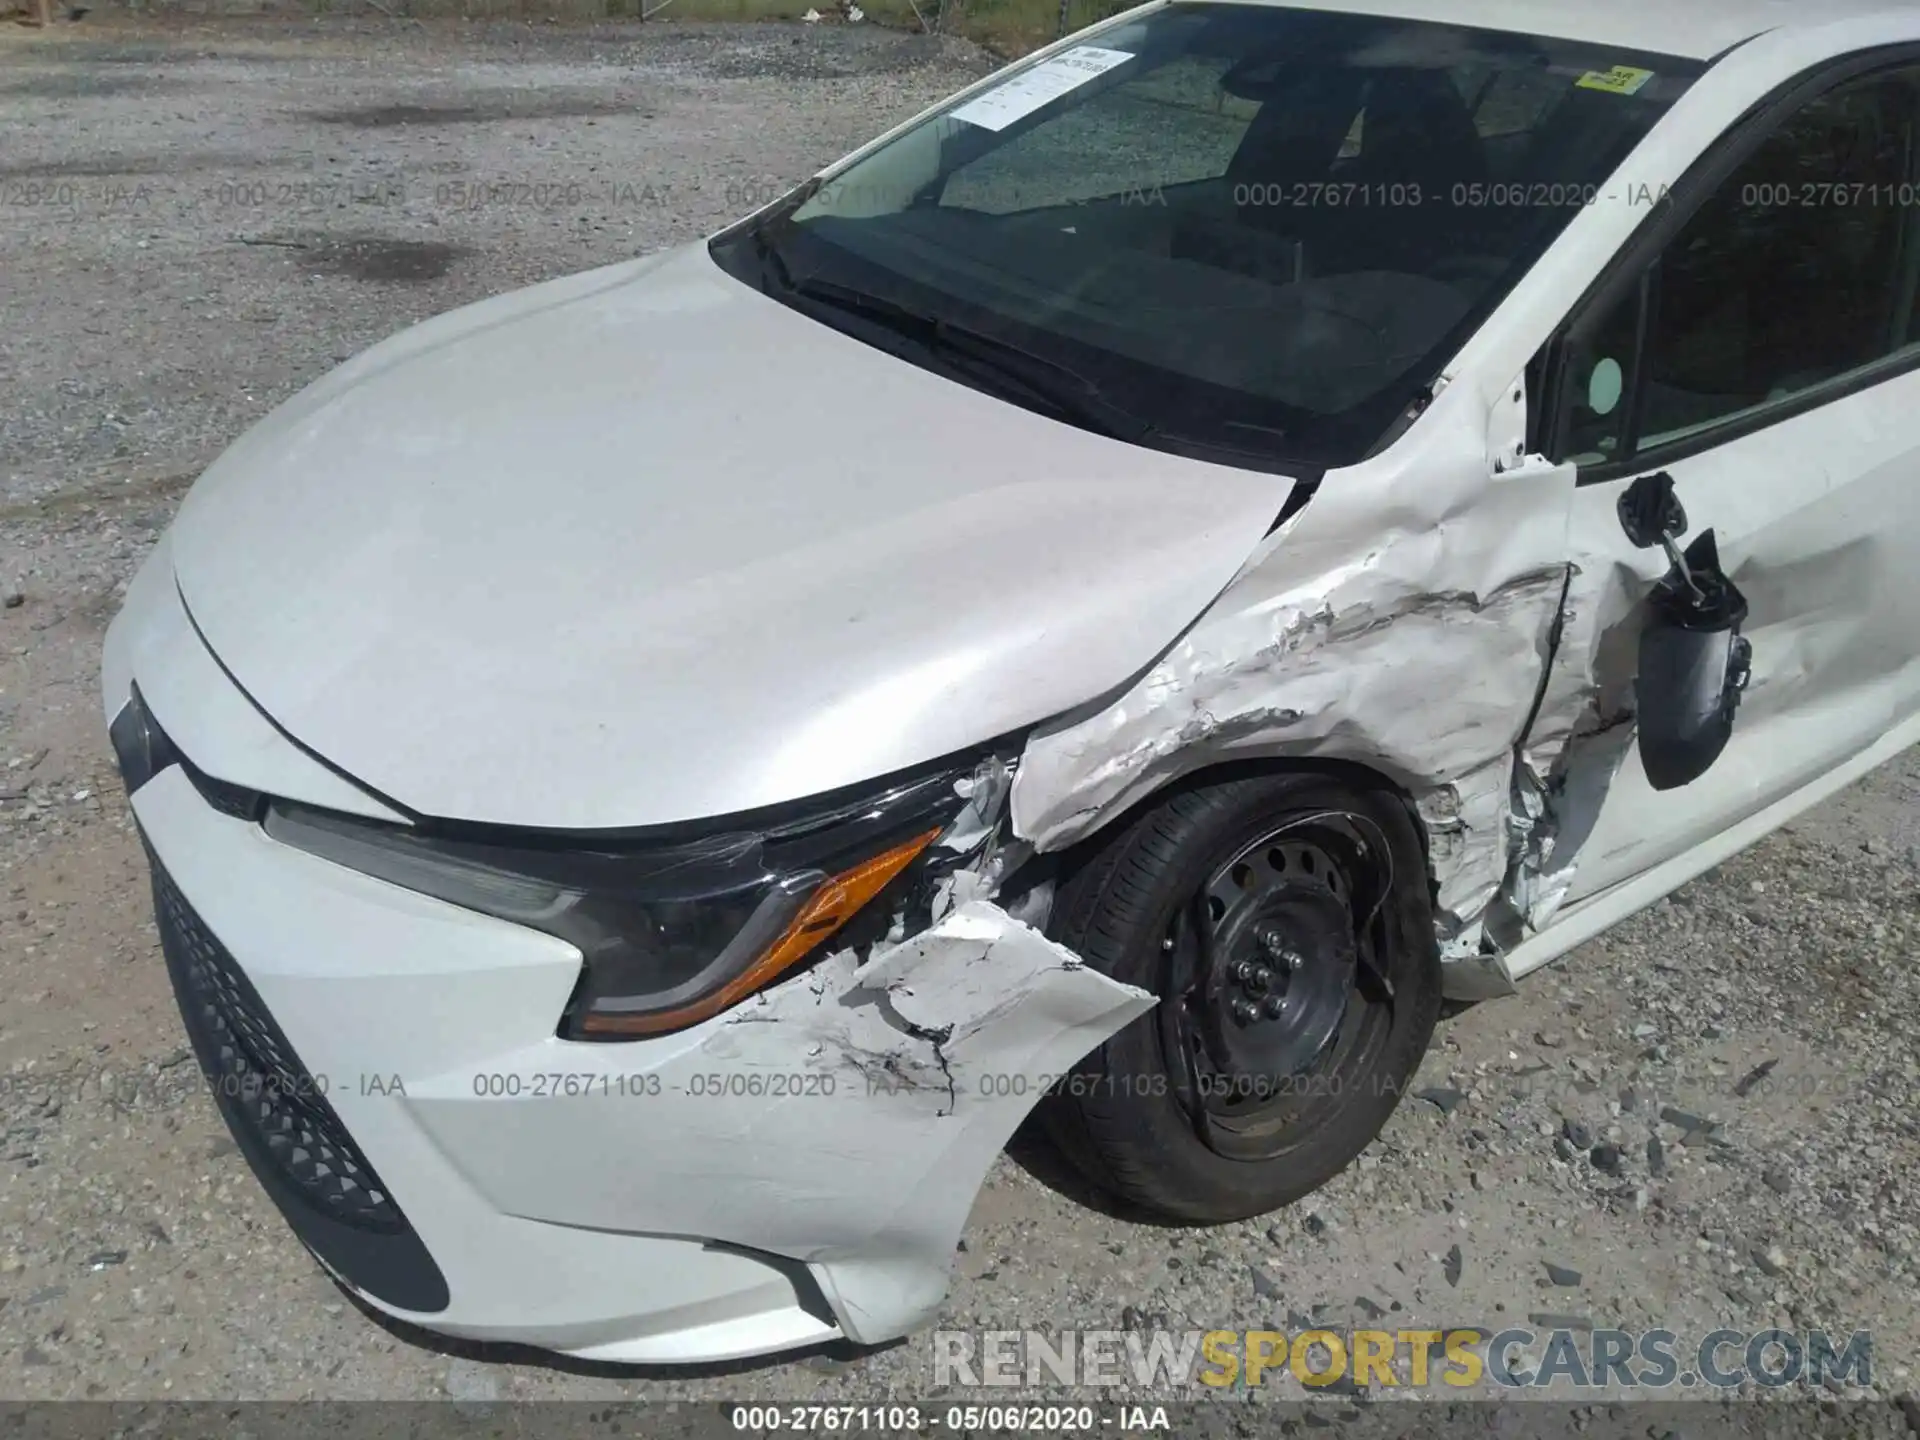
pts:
[1239, 231]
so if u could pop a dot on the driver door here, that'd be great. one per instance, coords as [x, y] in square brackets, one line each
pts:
[1760, 343]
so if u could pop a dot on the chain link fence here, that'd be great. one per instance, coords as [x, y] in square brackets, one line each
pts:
[1014, 25]
[1007, 27]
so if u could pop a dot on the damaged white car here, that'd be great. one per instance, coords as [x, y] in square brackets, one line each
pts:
[1133, 586]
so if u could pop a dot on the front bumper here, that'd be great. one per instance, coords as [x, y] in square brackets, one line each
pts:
[795, 1170]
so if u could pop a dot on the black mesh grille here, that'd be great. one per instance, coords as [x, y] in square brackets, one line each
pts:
[280, 1119]
[259, 1079]
[277, 1110]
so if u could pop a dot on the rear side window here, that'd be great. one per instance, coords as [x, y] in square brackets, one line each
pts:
[1797, 272]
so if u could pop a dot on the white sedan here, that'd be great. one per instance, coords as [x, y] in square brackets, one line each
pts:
[1118, 597]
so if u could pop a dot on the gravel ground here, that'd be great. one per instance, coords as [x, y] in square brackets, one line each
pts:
[199, 220]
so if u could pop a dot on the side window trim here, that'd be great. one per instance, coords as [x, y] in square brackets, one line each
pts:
[1906, 325]
[1646, 308]
[1636, 265]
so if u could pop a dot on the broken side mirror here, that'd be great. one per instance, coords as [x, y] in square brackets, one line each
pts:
[1694, 662]
[1651, 514]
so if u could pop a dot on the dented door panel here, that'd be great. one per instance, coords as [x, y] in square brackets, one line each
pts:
[1819, 528]
[1404, 620]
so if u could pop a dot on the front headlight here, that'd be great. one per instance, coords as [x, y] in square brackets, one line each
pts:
[672, 932]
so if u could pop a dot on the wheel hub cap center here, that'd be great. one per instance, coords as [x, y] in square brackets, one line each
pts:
[1284, 966]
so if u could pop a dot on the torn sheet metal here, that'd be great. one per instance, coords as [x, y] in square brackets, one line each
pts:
[1813, 521]
[1580, 736]
[985, 792]
[844, 1118]
[1403, 620]
[985, 854]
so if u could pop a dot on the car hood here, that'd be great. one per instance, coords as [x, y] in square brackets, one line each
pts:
[643, 545]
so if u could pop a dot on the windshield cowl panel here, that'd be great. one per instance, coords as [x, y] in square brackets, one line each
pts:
[1248, 231]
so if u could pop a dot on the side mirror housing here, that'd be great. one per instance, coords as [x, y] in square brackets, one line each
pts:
[1694, 663]
[1694, 666]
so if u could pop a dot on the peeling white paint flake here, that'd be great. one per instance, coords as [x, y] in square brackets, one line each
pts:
[979, 834]
[985, 792]
[1405, 619]
[947, 988]
[972, 983]
[1468, 832]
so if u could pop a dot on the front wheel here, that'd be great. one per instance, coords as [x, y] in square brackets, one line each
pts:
[1286, 924]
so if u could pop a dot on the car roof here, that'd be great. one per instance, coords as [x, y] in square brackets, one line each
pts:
[1694, 29]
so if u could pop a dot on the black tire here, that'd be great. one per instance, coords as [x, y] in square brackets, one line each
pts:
[1143, 1116]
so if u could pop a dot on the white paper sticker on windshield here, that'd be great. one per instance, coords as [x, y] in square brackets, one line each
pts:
[1029, 90]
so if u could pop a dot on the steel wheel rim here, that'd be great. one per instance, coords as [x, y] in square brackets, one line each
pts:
[1288, 927]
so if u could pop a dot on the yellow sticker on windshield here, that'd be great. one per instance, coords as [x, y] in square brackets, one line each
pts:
[1620, 80]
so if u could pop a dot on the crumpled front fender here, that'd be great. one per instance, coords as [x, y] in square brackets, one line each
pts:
[1404, 620]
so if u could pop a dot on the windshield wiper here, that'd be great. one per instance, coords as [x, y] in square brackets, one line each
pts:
[1044, 381]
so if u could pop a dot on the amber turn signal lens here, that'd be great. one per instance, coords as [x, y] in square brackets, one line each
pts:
[837, 901]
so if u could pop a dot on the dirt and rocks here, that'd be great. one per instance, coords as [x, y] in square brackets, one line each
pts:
[1704, 1120]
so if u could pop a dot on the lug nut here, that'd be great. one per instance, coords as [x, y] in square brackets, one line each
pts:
[1262, 977]
[1245, 1012]
[1274, 1005]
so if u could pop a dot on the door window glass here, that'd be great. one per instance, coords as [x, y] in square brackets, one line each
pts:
[1797, 271]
